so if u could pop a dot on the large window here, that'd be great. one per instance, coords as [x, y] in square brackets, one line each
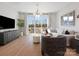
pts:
[36, 24]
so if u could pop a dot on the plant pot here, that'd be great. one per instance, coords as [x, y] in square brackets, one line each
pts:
[21, 33]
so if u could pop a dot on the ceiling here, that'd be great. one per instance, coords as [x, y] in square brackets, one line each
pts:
[31, 6]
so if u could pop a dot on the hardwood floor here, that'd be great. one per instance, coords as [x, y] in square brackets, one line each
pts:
[23, 46]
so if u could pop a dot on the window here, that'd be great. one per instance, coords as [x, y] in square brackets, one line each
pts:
[36, 24]
[68, 19]
[30, 23]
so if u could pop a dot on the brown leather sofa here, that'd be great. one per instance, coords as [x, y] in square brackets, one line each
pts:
[53, 46]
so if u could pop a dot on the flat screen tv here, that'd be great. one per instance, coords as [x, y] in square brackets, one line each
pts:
[6, 23]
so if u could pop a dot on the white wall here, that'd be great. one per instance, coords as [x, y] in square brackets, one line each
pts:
[53, 20]
[65, 10]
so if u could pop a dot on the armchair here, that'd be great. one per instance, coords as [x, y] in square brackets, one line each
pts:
[53, 46]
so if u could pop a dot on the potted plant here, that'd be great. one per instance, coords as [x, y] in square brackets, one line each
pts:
[20, 25]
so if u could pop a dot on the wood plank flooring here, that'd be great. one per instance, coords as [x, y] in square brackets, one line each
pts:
[20, 47]
[23, 46]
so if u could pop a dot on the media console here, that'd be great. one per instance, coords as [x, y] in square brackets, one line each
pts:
[8, 35]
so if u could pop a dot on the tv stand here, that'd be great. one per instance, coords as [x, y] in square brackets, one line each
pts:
[8, 35]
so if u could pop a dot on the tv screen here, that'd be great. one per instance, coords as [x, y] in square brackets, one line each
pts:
[6, 23]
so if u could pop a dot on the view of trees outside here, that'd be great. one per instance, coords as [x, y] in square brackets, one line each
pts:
[36, 24]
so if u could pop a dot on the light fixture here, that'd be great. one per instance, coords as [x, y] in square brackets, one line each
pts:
[37, 13]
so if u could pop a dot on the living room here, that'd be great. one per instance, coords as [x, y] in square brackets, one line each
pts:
[31, 20]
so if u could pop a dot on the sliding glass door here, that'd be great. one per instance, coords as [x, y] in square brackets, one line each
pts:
[30, 23]
[36, 24]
